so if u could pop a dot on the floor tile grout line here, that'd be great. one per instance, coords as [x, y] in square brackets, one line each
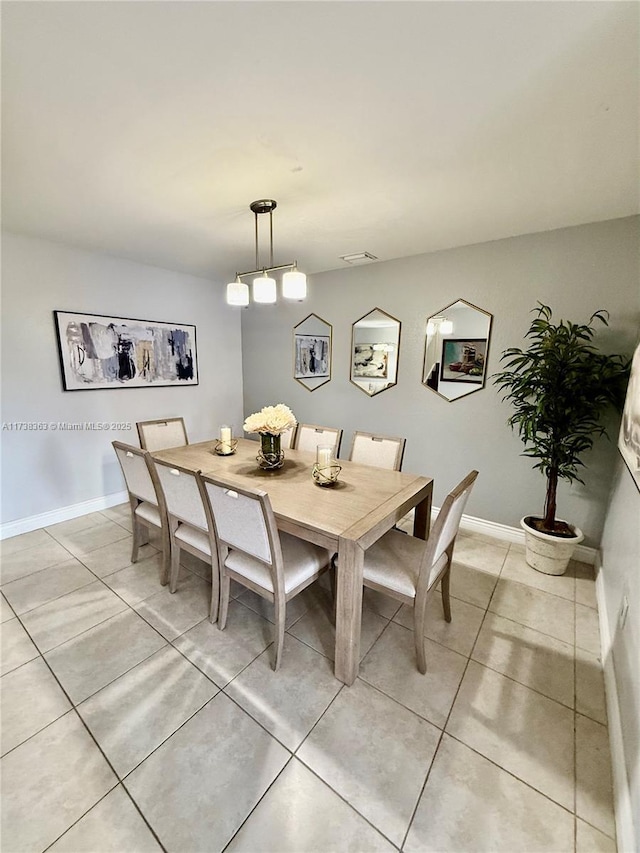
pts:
[512, 774]
[422, 790]
[350, 805]
[385, 628]
[553, 636]
[538, 588]
[55, 597]
[446, 722]
[399, 703]
[75, 711]
[158, 746]
[313, 727]
[264, 794]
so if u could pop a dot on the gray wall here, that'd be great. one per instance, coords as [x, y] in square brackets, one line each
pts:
[575, 270]
[44, 471]
[620, 564]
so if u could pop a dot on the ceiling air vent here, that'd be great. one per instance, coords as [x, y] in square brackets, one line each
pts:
[358, 258]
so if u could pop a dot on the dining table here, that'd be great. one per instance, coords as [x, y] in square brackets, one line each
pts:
[346, 518]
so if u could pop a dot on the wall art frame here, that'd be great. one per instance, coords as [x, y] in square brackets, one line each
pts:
[104, 352]
[461, 358]
[629, 436]
[312, 352]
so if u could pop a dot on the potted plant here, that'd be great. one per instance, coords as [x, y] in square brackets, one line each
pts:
[559, 386]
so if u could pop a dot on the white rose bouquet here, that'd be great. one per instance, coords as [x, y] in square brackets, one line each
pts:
[273, 420]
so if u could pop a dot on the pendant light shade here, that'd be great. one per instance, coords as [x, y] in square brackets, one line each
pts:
[264, 289]
[238, 293]
[294, 282]
[294, 285]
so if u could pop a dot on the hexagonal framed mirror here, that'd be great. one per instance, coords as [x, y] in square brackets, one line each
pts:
[312, 352]
[456, 350]
[375, 346]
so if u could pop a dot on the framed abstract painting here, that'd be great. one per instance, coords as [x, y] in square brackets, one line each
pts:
[98, 352]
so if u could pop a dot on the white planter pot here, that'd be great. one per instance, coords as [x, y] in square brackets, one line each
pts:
[549, 554]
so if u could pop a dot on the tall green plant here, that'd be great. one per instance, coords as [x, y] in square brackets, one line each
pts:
[560, 386]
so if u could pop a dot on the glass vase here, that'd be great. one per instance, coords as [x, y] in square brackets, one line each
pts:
[270, 455]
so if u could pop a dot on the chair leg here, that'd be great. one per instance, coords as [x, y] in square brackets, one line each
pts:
[140, 537]
[166, 557]
[175, 567]
[280, 608]
[224, 599]
[215, 591]
[419, 611]
[444, 588]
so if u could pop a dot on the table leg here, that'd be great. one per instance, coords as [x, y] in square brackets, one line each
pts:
[348, 610]
[422, 518]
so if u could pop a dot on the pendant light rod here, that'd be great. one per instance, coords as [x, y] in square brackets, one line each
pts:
[268, 269]
[294, 282]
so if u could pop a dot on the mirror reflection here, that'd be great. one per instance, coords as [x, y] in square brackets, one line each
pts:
[312, 352]
[456, 349]
[375, 344]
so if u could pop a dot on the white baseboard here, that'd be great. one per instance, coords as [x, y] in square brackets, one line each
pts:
[472, 525]
[516, 535]
[45, 519]
[625, 831]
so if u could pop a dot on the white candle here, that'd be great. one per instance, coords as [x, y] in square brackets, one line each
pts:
[323, 456]
[225, 438]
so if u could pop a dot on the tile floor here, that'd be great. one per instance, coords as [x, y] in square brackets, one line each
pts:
[131, 724]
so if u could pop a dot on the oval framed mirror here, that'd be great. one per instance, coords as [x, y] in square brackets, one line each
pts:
[375, 346]
[312, 352]
[456, 350]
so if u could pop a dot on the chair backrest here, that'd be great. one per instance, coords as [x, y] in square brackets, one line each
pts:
[181, 494]
[135, 469]
[158, 435]
[444, 531]
[382, 451]
[243, 520]
[288, 438]
[309, 436]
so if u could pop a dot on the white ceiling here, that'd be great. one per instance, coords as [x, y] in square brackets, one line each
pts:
[145, 129]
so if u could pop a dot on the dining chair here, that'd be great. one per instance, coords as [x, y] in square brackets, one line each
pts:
[309, 436]
[188, 524]
[381, 451]
[145, 500]
[158, 435]
[288, 438]
[251, 551]
[409, 569]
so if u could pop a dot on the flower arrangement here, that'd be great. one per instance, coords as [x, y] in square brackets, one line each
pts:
[272, 420]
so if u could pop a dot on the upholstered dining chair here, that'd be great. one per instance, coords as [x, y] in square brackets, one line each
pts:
[409, 569]
[189, 524]
[158, 435]
[288, 438]
[146, 501]
[309, 436]
[251, 551]
[381, 451]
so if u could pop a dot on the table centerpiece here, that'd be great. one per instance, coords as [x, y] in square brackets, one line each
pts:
[270, 422]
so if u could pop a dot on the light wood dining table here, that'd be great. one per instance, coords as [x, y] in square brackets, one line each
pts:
[346, 518]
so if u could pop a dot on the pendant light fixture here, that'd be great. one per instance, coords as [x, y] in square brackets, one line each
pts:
[264, 287]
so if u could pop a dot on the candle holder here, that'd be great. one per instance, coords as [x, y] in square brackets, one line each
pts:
[325, 475]
[326, 469]
[226, 444]
[226, 448]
